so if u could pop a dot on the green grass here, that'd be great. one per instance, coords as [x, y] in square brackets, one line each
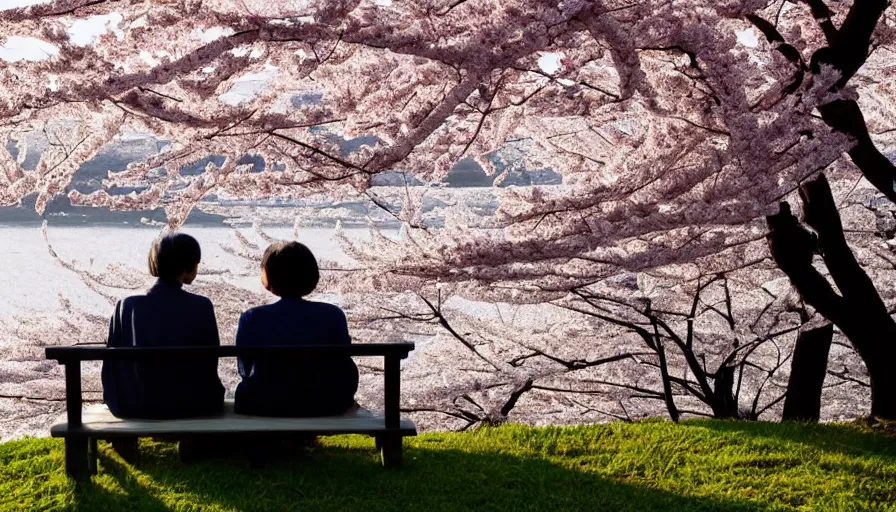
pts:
[654, 465]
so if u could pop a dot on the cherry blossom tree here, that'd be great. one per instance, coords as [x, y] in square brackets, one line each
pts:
[620, 80]
[676, 130]
[552, 242]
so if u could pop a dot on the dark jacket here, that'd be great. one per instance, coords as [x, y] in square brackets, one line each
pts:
[295, 388]
[166, 316]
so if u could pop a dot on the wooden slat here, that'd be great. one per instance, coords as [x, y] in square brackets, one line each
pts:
[68, 354]
[98, 421]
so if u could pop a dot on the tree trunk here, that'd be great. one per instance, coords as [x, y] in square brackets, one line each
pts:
[807, 372]
[667, 383]
[724, 406]
[879, 355]
[655, 342]
[859, 312]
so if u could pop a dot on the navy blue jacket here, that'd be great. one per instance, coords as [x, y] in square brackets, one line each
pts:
[295, 388]
[166, 316]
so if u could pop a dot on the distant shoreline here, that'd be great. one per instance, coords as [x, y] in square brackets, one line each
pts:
[235, 224]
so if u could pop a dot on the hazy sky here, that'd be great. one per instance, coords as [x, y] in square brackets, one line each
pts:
[11, 4]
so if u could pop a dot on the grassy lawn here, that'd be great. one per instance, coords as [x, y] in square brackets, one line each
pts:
[697, 465]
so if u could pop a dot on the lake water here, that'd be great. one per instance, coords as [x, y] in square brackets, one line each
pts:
[31, 279]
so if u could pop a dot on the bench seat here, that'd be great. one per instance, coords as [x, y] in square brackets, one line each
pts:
[97, 422]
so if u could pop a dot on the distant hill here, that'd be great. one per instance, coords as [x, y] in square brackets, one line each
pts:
[116, 157]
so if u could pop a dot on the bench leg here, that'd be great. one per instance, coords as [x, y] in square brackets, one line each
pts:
[391, 450]
[259, 450]
[76, 464]
[92, 455]
[127, 448]
[196, 448]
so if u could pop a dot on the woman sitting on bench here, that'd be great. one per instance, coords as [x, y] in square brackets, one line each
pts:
[166, 316]
[293, 388]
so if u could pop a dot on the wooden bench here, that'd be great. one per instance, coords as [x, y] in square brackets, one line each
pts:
[82, 429]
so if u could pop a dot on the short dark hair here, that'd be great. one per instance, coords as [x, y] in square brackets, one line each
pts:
[172, 255]
[291, 269]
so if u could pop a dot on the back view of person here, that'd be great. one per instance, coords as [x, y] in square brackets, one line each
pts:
[269, 387]
[167, 316]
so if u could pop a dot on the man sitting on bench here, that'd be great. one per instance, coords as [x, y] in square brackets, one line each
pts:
[167, 316]
[293, 388]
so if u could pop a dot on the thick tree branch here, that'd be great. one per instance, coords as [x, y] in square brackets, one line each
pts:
[822, 15]
[515, 396]
[820, 213]
[853, 42]
[792, 248]
[846, 117]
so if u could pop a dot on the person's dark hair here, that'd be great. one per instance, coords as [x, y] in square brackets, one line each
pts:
[172, 255]
[291, 269]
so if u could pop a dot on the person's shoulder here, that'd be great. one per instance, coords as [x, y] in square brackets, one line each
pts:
[325, 308]
[198, 300]
[195, 297]
[256, 311]
[129, 301]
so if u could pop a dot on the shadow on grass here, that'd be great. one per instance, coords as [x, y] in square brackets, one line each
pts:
[335, 478]
[129, 493]
[835, 438]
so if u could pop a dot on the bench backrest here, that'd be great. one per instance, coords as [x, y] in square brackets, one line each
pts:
[71, 358]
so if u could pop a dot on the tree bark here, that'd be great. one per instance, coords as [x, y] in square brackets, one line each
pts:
[845, 116]
[859, 312]
[849, 46]
[724, 406]
[807, 373]
[655, 342]
[848, 49]
[667, 383]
